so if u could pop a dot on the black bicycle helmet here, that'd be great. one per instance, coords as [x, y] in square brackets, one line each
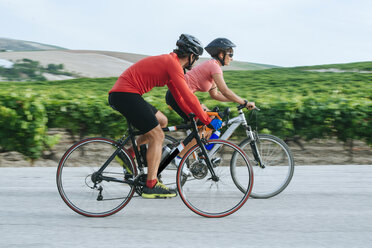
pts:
[218, 45]
[189, 44]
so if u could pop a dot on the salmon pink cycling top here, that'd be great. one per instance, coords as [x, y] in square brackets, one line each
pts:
[157, 71]
[200, 78]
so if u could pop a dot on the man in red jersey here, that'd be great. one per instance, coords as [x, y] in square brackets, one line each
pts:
[158, 71]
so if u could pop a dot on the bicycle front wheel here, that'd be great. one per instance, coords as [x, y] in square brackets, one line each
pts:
[277, 168]
[214, 196]
[86, 195]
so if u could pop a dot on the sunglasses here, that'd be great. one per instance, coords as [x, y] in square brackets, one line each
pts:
[230, 55]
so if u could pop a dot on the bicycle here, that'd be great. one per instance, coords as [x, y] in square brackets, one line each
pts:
[270, 157]
[97, 177]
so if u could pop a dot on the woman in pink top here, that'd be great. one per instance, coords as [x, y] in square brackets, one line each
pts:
[208, 77]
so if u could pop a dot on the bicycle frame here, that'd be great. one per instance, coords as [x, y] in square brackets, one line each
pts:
[233, 124]
[187, 140]
[97, 176]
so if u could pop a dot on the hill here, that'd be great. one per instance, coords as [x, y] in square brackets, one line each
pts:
[361, 67]
[96, 64]
[21, 45]
[85, 63]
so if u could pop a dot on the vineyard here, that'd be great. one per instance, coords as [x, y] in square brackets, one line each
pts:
[296, 103]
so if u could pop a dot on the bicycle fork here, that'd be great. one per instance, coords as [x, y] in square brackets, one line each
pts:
[252, 143]
[205, 156]
[182, 145]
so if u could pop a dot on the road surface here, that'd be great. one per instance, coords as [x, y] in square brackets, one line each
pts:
[324, 206]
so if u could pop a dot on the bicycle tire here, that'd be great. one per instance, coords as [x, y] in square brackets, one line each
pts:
[279, 165]
[214, 198]
[74, 178]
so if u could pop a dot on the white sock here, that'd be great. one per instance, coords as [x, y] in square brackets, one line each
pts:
[177, 160]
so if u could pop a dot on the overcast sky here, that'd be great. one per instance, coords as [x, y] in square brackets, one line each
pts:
[277, 32]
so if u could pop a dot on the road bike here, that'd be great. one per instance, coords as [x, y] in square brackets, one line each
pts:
[97, 177]
[271, 158]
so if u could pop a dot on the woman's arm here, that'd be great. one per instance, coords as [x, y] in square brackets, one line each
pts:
[216, 95]
[225, 94]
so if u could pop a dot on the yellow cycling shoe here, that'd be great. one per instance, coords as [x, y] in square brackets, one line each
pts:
[158, 191]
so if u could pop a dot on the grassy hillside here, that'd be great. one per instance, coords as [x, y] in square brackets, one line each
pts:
[21, 45]
[294, 82]
[260, 86]
[239, 65]
[357, 66]
[279, 89]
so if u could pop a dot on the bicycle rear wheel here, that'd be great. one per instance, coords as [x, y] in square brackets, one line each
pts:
[217, 197]
[278, 165]
[76, 172]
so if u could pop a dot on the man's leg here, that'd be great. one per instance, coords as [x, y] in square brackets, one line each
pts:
[155, 189]
[155, 139]
[163, 122]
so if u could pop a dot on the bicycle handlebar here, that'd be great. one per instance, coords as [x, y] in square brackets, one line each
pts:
[215, 112]
[239, 107]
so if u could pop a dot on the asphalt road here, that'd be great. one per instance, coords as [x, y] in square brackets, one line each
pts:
[324, 206]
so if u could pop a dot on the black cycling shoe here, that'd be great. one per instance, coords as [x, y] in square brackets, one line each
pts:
[128, 175]
[158, 191]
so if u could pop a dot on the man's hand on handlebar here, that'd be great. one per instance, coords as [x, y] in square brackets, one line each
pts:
[215, 124]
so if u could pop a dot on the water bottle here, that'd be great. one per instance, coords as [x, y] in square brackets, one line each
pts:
[166, 151]
[143, 151]
[215, 135]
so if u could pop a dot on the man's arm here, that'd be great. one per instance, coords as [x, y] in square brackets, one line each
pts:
[185, 98]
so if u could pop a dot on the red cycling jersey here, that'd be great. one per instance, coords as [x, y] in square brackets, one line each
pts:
[157, 71]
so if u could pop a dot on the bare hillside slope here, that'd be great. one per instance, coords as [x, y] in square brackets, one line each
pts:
[90, 63]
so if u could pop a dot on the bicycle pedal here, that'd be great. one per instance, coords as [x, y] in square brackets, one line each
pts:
[216, 161]
[129, 181]
[128, 176]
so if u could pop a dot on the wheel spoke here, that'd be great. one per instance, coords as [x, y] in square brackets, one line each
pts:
[279, 166]
[221, 197]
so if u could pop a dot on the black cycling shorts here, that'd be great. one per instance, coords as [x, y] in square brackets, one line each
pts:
[172, 102]
[135, 109]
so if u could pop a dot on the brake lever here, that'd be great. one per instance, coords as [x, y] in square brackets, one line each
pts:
[228, 117]
[225, 113]
[239, 107]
